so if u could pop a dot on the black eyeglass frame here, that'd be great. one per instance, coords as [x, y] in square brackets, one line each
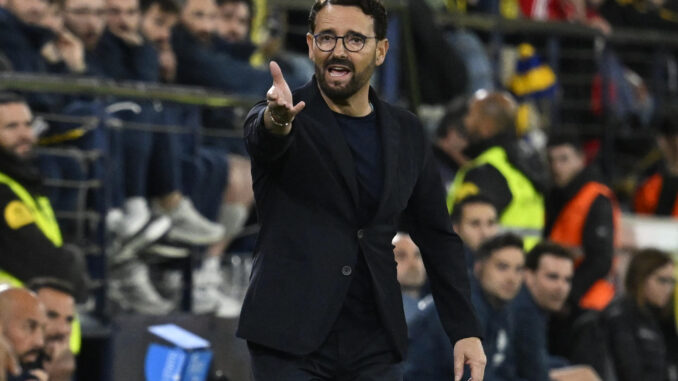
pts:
[343, 41]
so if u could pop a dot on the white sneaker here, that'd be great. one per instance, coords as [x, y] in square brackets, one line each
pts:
[131, 288]
[136, 215]
[207, 297]
[190, 227]
[124, 248]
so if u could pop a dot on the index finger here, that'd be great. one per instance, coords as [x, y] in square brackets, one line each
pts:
[276, 73]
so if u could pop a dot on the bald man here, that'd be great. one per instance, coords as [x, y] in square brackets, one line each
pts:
[500, 168]
[23, 318]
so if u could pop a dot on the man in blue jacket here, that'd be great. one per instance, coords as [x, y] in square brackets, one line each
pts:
[497, 278]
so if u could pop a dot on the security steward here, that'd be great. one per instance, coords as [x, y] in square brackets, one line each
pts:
[499, 169]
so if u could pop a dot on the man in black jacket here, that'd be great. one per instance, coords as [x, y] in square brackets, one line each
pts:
[334, 169]
[30, 239]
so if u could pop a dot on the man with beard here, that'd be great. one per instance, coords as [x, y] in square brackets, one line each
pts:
[23, 319]
[499, 167]
[335, 169]
[200, 59]
[30, 238]
[58, 299]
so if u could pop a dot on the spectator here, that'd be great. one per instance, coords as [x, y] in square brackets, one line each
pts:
[636, 341]
[475, 220]
[58, 299]
[30, 238]
[499, 169]
[198, 61]
[410, 272]
[450, 141]
[497, 278]
[548, 279]
[658, 194]
[22, 39]
[23, 319]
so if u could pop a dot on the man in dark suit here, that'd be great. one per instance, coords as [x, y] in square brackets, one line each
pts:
[334, 170]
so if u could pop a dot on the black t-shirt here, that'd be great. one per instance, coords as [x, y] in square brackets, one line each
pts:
[359, 314]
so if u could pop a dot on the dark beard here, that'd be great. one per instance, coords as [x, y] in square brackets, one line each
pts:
[358, 80]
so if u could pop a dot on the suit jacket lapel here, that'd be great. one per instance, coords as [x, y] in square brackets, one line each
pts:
[390, 136]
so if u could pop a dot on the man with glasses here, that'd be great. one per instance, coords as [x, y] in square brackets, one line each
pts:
[335, 168]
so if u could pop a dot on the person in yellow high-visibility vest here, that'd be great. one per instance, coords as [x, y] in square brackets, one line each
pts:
[30, 237]
[499, 169]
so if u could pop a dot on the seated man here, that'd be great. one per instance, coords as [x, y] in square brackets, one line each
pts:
[410, 272]
[548, 280]
[29, 234]
[58, 299]
[22, 318]
[496, 279]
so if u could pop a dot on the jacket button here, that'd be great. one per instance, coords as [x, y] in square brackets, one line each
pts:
[346, 270]
[361, 234]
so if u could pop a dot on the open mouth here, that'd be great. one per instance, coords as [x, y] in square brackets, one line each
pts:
[337, 71]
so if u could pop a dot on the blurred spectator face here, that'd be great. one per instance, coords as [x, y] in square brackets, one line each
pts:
[23, 321]
[200, 18]
[60, 311]
[157, 25]
[410, 270]
[478, 223]
[565, 163]
[475, 122]
[550, 283]
[233, 24]
[16, 130]
[341, 73]
[28, 11]
[501, 274]
[659, 286]
[123, 16]
[86, 20]
[53, 19]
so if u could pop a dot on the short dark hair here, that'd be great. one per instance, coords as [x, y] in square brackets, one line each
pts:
[497, 243]
[166, 6]
[642, 265]
[453, 118]
[546, 248]
[573, 140]
[37, 284]
[374, 8]
[7, 98]
[458, 210]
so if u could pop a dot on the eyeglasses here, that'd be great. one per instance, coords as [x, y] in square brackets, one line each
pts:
[353, 42]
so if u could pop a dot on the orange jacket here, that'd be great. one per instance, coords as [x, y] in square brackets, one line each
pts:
[647, 196]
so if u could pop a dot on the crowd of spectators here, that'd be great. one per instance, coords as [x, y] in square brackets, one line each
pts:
[166, 194]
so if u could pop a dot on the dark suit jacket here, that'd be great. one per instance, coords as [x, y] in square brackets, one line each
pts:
[307, 194]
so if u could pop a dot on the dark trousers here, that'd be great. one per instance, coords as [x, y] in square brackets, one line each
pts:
[343, 357]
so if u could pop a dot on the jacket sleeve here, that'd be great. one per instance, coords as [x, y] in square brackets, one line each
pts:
[27, 253]
[262, 145]
[442, 252]
[598, 245]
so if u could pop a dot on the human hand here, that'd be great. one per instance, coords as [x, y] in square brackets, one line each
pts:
[469, 351]
[39, 375]
[72, 50]
[280, 110]
[8, 362]
[168, 64]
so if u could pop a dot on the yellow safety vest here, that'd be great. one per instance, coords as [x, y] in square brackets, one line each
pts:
[43, 215]
[525, 213]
